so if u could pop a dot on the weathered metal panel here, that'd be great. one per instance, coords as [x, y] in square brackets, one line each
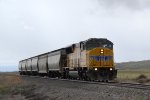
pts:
[23, 65]
[28, 66]
[20, 63]
[83, 62]
[42, 63]
[35, 64]
[73, 58]
[69, 60]
[54, 60]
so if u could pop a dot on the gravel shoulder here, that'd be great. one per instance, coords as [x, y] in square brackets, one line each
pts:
[36, 88]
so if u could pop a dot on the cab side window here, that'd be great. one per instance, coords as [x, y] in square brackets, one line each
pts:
[82, 46]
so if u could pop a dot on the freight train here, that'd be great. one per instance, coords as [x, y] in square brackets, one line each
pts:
[92, 59]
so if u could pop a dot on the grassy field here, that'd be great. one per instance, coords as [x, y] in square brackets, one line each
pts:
[132, 75]
[11, 87]
[16, 87]
[8, 82]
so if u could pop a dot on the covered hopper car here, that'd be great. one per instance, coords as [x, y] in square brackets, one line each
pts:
[92, 59]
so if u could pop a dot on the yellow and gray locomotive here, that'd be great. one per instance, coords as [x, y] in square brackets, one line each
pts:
[87, 60]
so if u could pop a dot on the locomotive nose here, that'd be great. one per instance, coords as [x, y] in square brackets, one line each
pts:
[100, 57]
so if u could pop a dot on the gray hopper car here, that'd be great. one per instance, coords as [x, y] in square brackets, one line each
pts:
[45, 64]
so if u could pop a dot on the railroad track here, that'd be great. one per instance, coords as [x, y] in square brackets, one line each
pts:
[116, 84]
[133, 85]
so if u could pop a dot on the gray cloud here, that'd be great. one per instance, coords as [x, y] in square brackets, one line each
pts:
[130, 4]
[32, 27]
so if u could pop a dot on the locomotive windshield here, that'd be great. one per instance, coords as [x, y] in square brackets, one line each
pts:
[95, 45]
[98, 43]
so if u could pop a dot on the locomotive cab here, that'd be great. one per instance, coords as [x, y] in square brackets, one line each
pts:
[99, 59]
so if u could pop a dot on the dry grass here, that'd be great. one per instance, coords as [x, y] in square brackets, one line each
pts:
[7, 83]
[132, 75]
[15, 87]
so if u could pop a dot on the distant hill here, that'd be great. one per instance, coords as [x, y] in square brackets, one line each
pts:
[134, 65]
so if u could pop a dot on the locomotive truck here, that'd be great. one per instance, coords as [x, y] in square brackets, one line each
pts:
[92, 59]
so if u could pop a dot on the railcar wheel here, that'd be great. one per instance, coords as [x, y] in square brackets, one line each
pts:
[106, 81]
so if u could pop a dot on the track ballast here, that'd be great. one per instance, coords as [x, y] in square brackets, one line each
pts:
[116, 84]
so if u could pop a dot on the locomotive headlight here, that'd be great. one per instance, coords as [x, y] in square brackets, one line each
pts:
[111, 69]
[95, 69]
[102, 51]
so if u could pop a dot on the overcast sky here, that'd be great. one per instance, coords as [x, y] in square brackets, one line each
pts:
[32, 27]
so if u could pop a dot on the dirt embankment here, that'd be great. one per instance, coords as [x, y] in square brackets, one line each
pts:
[35, 88]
